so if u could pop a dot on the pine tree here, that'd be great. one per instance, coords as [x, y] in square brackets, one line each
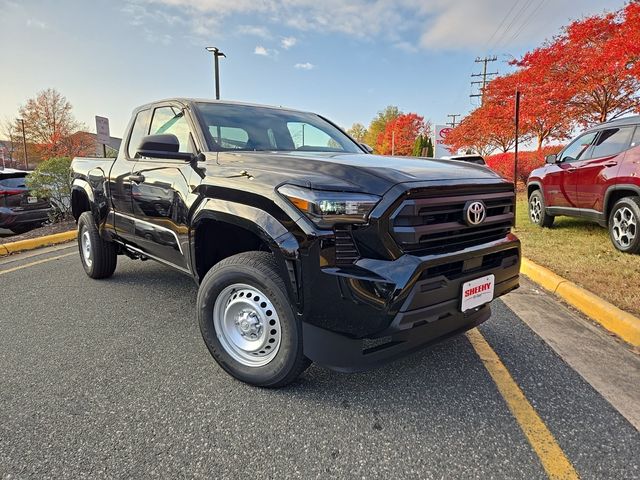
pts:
[417, 146]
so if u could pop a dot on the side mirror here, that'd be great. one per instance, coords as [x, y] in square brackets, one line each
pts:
[553, 158]
[367, 147]
[163, 146]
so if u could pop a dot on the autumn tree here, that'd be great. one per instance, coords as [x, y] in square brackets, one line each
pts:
[49, 124]
[400, 134]
[12, 132]
[471, 135]
[543, 113]
[379, 124]
[593, 65]
[358, 132]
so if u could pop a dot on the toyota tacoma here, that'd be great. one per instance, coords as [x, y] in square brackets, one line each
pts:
[306, 247]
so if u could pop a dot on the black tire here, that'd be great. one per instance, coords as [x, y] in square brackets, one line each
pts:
[103, 258]
[624, 225]
[538, 210]
[259, 271]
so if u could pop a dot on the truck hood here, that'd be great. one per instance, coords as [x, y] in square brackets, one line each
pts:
[349, 171]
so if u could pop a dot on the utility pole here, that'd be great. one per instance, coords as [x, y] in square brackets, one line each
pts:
[484, 75]
[24, 145]
[216, 54]
[453, 122]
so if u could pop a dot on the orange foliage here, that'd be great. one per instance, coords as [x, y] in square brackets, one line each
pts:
[502, 163]
[405, 128]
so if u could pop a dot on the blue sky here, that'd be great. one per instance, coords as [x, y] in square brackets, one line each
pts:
[346, 60]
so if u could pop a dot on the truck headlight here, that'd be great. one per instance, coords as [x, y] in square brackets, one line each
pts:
[326, 209]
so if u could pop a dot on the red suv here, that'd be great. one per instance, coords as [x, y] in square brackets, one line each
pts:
[597, 176]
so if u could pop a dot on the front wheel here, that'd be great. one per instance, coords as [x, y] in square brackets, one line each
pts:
[623, 225]
[537, 210]
[247, 321]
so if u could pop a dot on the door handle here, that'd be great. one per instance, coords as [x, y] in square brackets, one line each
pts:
[610, 163]
[136, 178]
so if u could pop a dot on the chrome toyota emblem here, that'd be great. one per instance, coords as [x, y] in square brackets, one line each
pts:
[475, 213]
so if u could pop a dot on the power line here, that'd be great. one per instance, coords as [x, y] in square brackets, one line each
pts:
[504, 19]
[523, 8]
[453, 122]
[484, 75]
[525, 23]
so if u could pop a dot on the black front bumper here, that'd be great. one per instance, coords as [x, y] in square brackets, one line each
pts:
[379, 310]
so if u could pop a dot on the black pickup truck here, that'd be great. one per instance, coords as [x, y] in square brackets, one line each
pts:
[306, 247]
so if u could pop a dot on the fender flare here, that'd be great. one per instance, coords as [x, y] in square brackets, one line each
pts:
[614, 188]
[535, 183]
[270, 230]
[82, 186]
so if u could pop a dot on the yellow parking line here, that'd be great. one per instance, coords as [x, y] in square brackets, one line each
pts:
[37, 262]
[553, 459]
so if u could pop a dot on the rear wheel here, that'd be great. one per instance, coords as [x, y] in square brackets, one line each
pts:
[98, 256]
[537, 210]
[247, 322]
[624, 222]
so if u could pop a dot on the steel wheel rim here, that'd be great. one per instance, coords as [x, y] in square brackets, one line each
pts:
[85, 244]
[535, 209]
[247, 325]
[625, 227]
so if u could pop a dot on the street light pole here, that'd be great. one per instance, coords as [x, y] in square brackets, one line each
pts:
[515, 154]
[216, 53]
[24, 144]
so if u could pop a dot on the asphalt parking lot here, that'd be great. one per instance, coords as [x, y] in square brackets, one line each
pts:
[112, 379]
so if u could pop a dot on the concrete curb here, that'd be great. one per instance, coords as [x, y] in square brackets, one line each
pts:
[623, 324]
[33, 243]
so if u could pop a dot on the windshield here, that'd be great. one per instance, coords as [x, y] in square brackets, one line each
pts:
[249, 128]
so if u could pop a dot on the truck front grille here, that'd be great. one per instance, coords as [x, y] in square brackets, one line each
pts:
[425, 225]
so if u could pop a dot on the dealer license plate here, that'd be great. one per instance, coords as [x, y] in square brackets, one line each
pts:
[477, 292]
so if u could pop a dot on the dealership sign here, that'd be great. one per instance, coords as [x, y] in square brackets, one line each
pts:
[440, 146]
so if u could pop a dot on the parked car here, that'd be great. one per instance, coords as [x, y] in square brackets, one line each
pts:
[597, 177]
[471, 158]
[305, 246]
[20, 211]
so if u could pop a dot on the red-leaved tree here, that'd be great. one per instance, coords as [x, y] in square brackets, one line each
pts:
[400, 134]
[592, 66]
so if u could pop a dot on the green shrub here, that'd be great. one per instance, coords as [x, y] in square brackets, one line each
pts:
[52, 179]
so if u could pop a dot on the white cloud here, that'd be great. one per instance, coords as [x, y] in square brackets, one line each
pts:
[255, 30]
[260, 50]
[288, 42]
[304, 66]
[476, 25]
[35, 23]
[265, 52]
[406, 46]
